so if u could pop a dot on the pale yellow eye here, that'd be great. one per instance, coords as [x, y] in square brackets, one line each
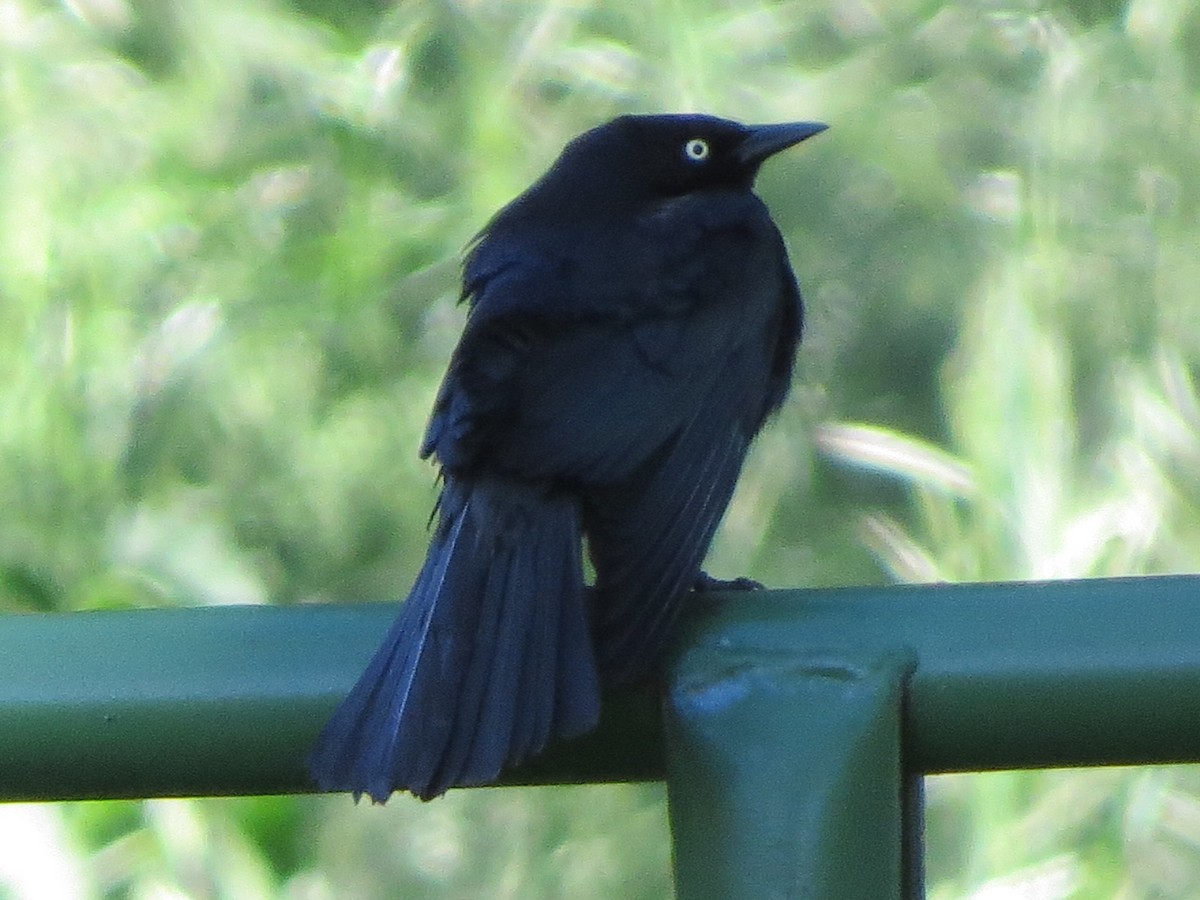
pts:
[696, 150]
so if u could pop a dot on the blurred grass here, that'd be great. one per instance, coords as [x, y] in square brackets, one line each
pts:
[228, 245]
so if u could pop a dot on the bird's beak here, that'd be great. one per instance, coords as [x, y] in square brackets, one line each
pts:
[766, 140]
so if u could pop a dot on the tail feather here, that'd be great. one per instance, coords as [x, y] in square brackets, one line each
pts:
[578, 676]
[489, 659]
[486, 709]
[536, 712]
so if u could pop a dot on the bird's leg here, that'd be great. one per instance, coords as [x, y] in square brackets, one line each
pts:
[705, 583]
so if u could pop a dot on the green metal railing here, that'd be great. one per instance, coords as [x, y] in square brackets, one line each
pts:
[792, 732]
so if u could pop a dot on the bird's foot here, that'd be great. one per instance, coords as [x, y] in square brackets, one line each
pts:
[705, 583]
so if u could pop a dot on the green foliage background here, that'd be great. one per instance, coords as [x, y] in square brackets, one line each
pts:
[229, 235]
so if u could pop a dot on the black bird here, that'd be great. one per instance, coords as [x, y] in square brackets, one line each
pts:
[633, 322]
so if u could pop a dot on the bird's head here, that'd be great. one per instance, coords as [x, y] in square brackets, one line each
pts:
[648, 158]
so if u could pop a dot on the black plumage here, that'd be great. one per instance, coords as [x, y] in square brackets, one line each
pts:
[633, 323]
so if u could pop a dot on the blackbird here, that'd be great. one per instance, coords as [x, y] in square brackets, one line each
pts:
[633, 321]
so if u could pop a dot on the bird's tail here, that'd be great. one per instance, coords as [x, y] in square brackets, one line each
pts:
[490, 657]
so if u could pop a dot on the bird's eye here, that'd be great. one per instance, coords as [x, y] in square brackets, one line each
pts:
[696, 150]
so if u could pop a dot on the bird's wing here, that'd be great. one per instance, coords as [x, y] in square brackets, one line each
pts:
[648, 538]
[580, 367]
